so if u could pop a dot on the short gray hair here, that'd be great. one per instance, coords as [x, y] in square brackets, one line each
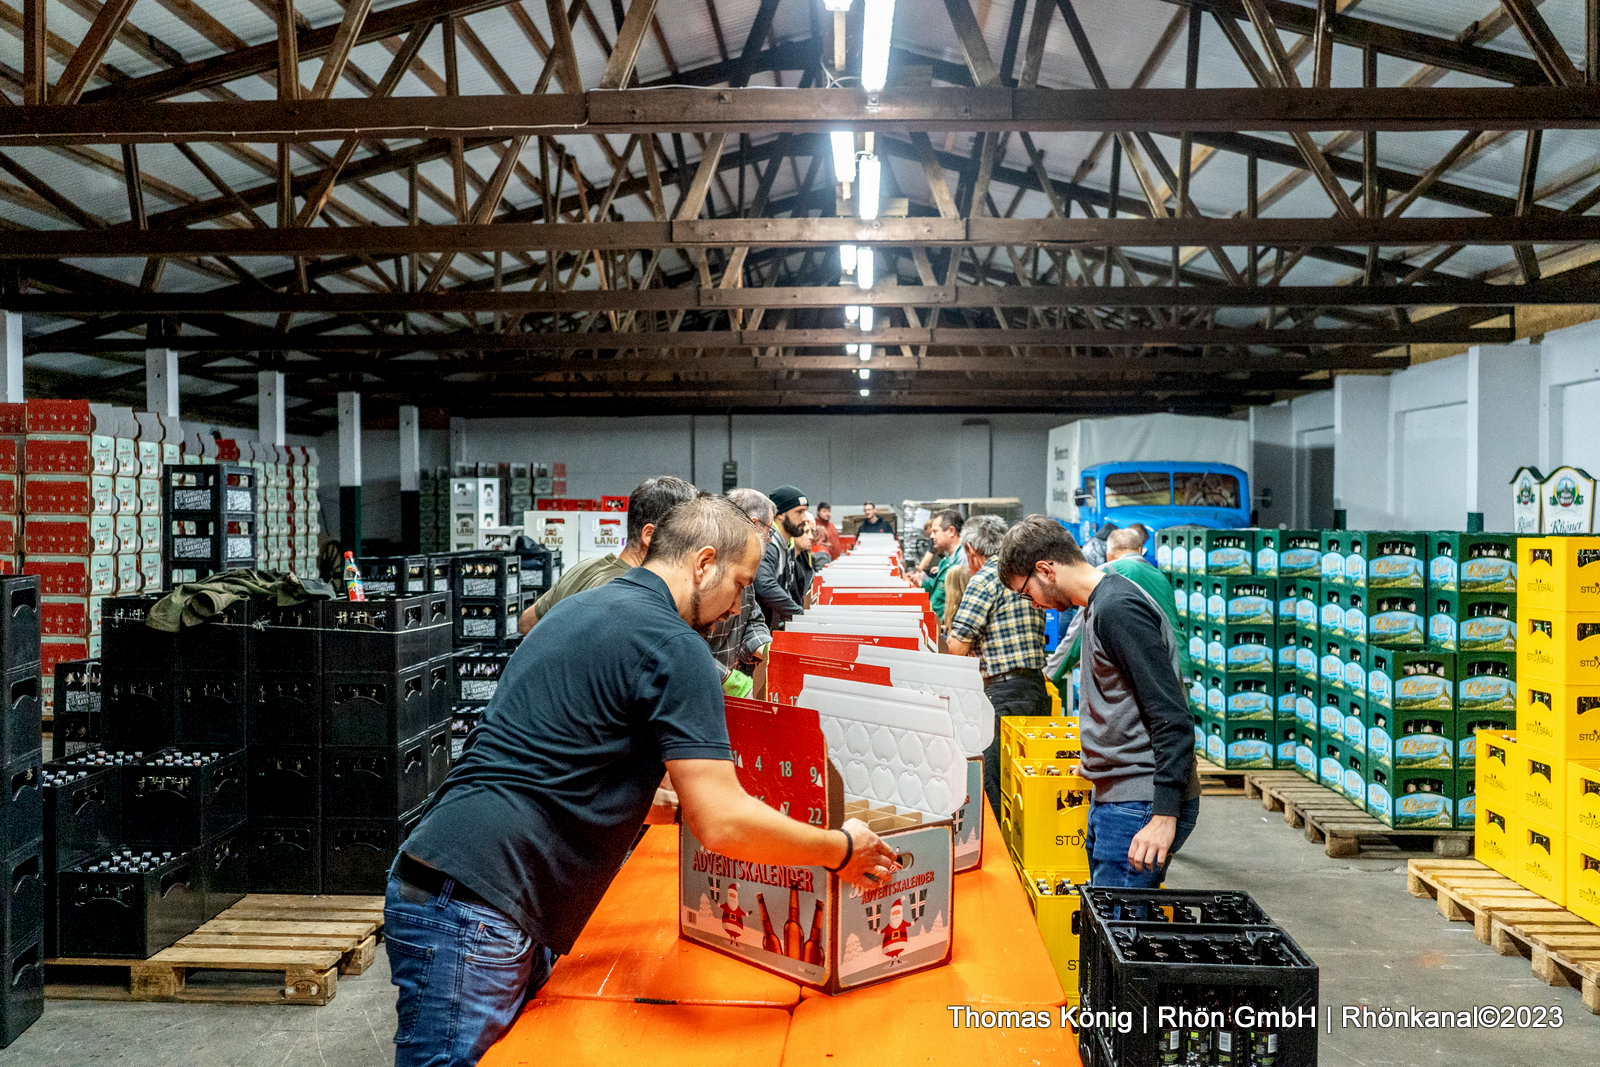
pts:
[754, 503]
[705, 522]
[983, 534]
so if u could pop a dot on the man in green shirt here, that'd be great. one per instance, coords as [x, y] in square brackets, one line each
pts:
[1124, 555]
[647, 506]
[946, 537]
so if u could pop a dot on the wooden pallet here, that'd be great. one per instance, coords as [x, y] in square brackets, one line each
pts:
[1563, 948]
[309, 941]
[1331, 820]
[1218, 781]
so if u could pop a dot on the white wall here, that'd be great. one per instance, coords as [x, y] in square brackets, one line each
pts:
[843, 459]
[1569, 399]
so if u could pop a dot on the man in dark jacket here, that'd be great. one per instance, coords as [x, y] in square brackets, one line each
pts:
[775, 581]
[1138, 737]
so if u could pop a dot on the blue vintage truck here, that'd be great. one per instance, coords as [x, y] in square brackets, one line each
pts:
[1159, 495]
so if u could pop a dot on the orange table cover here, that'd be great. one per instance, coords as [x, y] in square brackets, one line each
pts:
[590, 1011]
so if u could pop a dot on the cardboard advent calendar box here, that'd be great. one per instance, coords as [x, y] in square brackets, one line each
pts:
[851, 753]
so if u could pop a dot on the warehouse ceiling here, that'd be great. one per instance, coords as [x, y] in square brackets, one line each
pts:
[634, 207]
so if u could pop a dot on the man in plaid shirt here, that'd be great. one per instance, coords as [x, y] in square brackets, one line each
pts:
[1007, 634]
[739, 643]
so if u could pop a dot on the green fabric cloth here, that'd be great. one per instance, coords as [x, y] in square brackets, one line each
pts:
[196, 602]
[1146, 576]
[933, 584]
[588, 574]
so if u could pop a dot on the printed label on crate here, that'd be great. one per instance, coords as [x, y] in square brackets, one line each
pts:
[1267, 561]
[1216, 608]
[1249, 754]
[1422, 809]
[1285, 753]
[1397, 628]
[239, 500]
[1394, 571]
[1230, 560]
[1250, 611]
[1250, 706]
[1420, 691]
[478, 587]
[479, 690]
[1486, 693]
[1299, 561]
[191, 547]
[1355, 569]
[1380, 746]
[1355, 677]
[1568, 497]
[1305, 614]
[478, 627]
[1214, 749]
[1197, 560]
[1197, 605]
[1329, 773]
[1214, 702]
[1422, 750]
[1355, 624]
[1355, 731]
[1353, 784]
[1333, 567]
[1164, 556]
[1332, 671]
[1305, 761]
[1378, 689]
[1487, 633]
[1332, 620]
[191, 499]
[1305, 663]
[1249, 658]
[241, 548]
[1330, 720]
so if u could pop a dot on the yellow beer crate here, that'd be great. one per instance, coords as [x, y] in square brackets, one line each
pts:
[1560, 720]
[1057, 740]
[1542, 860]
[1497, 829]
[1498, 759]
[1560, 573]
[1583, 880]
[1557, 646]
[1541, 788]
[1050, 813]
[1583, 802]
[1054, 896]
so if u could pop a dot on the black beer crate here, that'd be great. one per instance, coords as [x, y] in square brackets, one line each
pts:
[129, 903]
[384, 634]
[285, 708]
[78, 725]
[217, 489]
[538, 570]
[374, 782]
[221, 644]
[441, 567]
[179, 797]
[128, 647]
[487, 576]
[210, 708]
[23, 897]
[24, 715]
[223, 865]
[1215, 969]
[288, 640]
[82, 807]
[22, 809]
[440, 684]
[395, 575]
[357, 853]
[137, 710]
[463, 720]
[285, 855]
[490, 623]
[439, 755]
[285, 781]
[22, 1000]
[376, 707]
[19, 621]
[476, 675]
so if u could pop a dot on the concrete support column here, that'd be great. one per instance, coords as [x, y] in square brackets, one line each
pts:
[1361, 450]
[11, 356]
[350, 472]
[410, 480]
[269, 407]
[458, 442]
[1502, 426]
[161, 381]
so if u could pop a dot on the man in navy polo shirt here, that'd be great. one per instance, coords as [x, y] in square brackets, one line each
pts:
[527, 831]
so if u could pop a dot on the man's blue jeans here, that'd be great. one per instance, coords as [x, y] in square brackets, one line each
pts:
[1111, 830]
[464, 972]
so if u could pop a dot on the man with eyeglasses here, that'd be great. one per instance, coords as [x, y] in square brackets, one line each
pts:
[1006, 633]
[739, 643]
[1134, 723]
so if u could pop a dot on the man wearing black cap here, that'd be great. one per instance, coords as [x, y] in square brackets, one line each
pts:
[774, 581]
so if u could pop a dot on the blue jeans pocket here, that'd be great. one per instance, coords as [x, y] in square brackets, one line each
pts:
[410, 967]
[496, 944]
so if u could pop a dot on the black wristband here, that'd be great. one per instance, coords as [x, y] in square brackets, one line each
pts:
[849, 850]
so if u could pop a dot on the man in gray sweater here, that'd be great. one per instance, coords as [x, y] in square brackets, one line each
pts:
[1137, 734]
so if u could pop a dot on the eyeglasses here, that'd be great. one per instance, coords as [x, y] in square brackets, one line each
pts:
[1022, 590]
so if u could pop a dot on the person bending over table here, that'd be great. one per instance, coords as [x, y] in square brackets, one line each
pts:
[522, 839]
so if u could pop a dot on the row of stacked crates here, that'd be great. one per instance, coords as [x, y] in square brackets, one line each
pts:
[1539, 784]
[21, 811]
[273, 749]
[1044, 819]
[288, 515]
[1366, 661]
[1190, 977]
[489, 590]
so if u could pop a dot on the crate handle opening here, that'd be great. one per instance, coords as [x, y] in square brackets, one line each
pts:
[27, 688]
[28, 868]
[25, 962]
[173, 879]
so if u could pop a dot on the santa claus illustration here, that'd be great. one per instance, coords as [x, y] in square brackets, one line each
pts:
[733, 915]
[894, 933]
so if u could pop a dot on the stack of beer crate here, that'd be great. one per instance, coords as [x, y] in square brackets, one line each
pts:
[1539, 786]
[21, 809]
[474, 679]
[13, 437]
[433, 508]
[210, 521]
[1044, 813]
[271, 465]
[304, 524]
[488, 598]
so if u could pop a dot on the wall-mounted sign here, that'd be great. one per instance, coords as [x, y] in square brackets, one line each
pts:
[1568, 502]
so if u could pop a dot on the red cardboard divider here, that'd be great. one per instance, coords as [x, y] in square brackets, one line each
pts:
[786, 673]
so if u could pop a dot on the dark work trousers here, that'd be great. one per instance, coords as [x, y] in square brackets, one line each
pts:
[1013, 693]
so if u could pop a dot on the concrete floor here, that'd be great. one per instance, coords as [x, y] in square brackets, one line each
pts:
[1375, 944]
